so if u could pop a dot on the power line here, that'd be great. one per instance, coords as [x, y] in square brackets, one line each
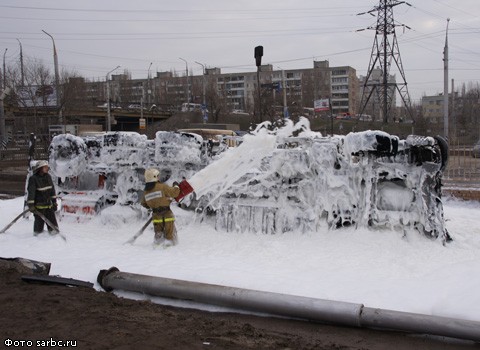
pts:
[182, 11]
[454, 8]
[192, 19]
[180, 36]
[300, 31]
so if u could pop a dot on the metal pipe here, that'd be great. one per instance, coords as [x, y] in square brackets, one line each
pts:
[319, 310]
[418, 323]
[252, 300]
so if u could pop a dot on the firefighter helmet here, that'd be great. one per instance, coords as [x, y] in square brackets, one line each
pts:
[40, 164]
[151, 175]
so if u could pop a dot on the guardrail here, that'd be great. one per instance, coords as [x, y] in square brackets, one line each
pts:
[462, 165]
[20, 155]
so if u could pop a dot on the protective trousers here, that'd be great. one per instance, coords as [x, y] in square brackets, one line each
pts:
[164, 226]
[39, 224]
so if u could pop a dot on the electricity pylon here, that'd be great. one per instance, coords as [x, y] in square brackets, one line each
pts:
[384, 51]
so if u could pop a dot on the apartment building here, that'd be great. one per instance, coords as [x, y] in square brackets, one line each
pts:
[238, 91]
[432, 108]
[344, 85]
[373, 107]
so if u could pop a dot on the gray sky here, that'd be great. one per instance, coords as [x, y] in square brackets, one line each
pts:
[93, 37]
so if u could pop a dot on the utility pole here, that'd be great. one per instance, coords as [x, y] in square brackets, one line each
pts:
[204, 101]
[57, 80]
[141, 104]
[445, 85]
[149, 91]
[4, 71]
[187, 93]
[284, 92]
[285, 108]
[383, 52]
[148, 97]
[2, 113]
[109, 122]
[454, 133]
[22, 75]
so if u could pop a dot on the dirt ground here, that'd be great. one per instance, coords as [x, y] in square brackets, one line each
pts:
[42, 315]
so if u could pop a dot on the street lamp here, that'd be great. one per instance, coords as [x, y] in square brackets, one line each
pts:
[188, 86]
[149, 91]
[2, 95]
[57, 92]
[284, 88]
[109, 127]
[204, 106]
[148, 84]
[21, 64]
[4, 70]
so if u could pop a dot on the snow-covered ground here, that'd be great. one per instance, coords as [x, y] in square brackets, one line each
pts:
[378, 268]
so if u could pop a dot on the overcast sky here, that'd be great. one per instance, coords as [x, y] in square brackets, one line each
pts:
[93, 37]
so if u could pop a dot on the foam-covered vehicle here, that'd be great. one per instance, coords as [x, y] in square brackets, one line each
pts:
[95, 171]
[364, 179]
[279, 179]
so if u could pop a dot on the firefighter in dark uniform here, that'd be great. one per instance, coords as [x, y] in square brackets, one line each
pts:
[158, 196]
[41, 197]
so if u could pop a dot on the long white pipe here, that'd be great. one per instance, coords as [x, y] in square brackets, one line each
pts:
[319, 310]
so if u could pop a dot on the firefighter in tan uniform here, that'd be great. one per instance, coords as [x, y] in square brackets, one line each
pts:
[158, 196]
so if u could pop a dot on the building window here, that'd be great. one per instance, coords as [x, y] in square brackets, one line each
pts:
[340, 80]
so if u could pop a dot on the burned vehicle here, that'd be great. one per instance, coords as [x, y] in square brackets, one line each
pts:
[277, 179]
[306, 181]
[96, 171]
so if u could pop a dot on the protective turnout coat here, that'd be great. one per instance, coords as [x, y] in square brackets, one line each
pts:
[41, 191]
[158, 197]
[41, 196]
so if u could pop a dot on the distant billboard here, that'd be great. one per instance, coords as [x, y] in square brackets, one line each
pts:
[321, 105]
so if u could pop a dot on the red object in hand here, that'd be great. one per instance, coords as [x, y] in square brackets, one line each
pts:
[185, 188]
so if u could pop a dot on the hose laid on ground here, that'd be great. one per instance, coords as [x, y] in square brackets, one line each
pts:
[319, 310]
